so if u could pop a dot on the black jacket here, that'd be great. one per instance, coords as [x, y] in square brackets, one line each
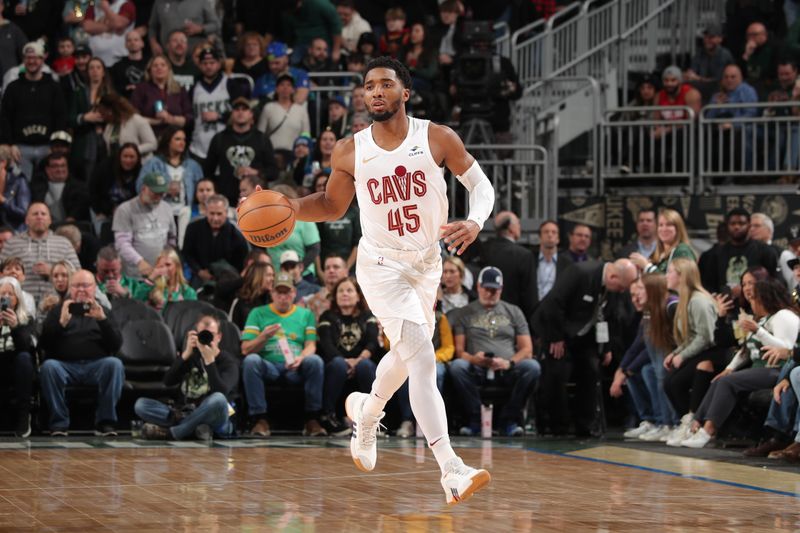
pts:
[84, 338]
[728, 259]
[31, 111]
[75, 197]
[570, 304]
[516, 264]
[201, 247]
[562, 263]
[103, 179]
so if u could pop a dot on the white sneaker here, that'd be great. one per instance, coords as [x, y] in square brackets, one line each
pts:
[643, 428]
[461, 481]
[362, 444]
[682, 432]
[698, 439]
[405, 430]
[656, 434]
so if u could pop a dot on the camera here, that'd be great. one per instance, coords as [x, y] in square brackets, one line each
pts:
[79, 308]
[477, 73]
[5, 303]
[205, 337]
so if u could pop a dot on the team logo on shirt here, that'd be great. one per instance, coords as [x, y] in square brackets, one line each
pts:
[401, 186]
[415, 151]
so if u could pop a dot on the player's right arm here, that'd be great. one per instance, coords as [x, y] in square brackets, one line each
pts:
[334, 201]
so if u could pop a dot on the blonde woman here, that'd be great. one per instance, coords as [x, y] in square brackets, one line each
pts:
[453, 293]
[672, 243]
[166, 282]
[60, 275]
[160, 99]
[692, 364]
[16, 348]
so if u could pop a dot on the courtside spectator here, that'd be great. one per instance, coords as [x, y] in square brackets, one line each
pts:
[16, 351]
[166, 282]
[110, 279]
[80, 349]
[334, 270]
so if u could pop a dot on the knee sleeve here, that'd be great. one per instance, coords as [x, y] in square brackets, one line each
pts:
[414, 338]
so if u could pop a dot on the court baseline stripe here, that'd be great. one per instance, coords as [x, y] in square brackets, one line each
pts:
[668, 473]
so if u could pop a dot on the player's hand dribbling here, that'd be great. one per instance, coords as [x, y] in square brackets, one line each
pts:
[459, 235]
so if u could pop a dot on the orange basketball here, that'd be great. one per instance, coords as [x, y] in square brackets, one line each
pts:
[266, 218]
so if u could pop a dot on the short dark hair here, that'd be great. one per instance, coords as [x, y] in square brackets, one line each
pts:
[346, 3]
[391, 63]
[108, 253]
[578, 225]
[787, 61]
[737, 212]
[54, 157]
[6, 229]
[647, 210]
[546, 222]
[333, 256]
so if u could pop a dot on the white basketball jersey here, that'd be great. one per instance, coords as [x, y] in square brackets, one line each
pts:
[402, 195]
[217, 100]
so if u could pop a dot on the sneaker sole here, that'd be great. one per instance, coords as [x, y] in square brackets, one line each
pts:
[480, 480]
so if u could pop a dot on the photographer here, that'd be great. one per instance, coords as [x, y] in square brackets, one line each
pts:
[16, 347]
[208, 378]
[484, 83]
[79, 342]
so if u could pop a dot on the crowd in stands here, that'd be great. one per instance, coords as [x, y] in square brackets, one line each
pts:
[128, 132]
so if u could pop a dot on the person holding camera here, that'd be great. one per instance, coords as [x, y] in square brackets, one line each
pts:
[16, 347]
[79, 341]
[208, 379]
[493, 345]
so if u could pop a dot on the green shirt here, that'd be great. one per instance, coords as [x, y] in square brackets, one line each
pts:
[297, 327]
[184, 292]
[339, 237]
[682, 250]
[129, 284]
[304, 234]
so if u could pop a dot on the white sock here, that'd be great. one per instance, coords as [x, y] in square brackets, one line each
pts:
[389, 376]
[426, 401]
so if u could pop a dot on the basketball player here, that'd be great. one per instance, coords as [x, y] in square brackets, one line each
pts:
[395, 169]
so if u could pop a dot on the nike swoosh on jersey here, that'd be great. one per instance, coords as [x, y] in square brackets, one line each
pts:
[366, 160]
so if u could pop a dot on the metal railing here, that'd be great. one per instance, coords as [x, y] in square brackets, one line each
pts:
[757, 141]
[522, 176]
[725, 147]
[641, 146]
[319, 95]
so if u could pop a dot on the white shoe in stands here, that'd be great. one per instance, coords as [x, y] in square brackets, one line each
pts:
[698, 439]
[657, 434]
[682, 432]
[643, 428]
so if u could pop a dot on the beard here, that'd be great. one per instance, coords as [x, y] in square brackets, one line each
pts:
[385, 115]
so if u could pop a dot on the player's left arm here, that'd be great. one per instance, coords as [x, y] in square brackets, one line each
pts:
[449, 149]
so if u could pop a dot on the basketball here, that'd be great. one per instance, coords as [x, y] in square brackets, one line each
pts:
[266, 218]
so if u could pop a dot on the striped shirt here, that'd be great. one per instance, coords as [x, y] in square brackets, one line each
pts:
[50, 249]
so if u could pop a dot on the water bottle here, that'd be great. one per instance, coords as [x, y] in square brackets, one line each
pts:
[486, 421]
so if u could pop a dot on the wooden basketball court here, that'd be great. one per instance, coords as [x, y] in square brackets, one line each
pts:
[292, 484]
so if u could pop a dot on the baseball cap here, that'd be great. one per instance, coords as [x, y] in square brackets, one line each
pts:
[304, 138]
[208, 52]
[793, 262]
[155, 182]
[34, 47]
[283, 279]
[61, 136]
[82, 50]
[241, 101]
[277, 50]
[714, 29]
[285, 77]
[491, 278]
[289, 256]
[338, 99]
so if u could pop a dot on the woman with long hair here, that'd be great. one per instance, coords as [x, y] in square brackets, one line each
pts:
[114, 181]
[348, 339]
[659, 313]
[166, 282]
[775, 324]
[453, 293]
[324, 149]
[124, 125]
[693, 363]
[250, 56]
[672, 243]
[16, 349]
[160, 99]
[60, 275]
[85, 120]
[255, 292]
[636, 371]
[171, 161]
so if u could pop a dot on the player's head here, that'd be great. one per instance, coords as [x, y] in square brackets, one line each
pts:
[387, 86]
